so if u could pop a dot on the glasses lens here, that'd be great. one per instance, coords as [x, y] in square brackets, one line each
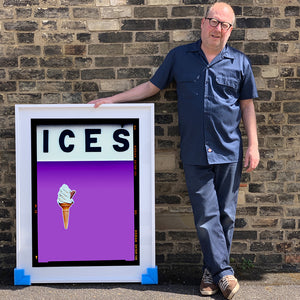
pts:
[225, 26]
[213, 22]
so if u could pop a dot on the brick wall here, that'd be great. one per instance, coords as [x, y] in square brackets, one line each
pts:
[72, 51]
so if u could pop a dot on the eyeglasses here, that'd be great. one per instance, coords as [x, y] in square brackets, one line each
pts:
[214, 23]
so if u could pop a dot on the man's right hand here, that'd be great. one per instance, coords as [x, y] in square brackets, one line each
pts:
[100, 101]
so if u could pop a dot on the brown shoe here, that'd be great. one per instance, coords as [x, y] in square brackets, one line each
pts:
[229, 286]
[207, 286]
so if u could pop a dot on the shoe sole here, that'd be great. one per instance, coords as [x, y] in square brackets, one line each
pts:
[234, 291]
[208, 293]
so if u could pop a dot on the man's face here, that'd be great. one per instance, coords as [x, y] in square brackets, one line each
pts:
[215, 38]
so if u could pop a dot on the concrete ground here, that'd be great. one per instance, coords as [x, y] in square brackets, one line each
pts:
[282, 286]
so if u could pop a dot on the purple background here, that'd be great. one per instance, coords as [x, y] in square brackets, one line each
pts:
[101, 221]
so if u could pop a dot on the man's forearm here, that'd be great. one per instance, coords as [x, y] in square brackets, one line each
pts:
[139, 92]
[249, 120]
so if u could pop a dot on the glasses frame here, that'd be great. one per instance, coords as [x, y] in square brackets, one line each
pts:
[219, 22]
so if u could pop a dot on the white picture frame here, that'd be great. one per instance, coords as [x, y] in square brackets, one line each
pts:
[27, 271]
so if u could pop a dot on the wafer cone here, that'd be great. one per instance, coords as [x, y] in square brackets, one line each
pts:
[65, 211]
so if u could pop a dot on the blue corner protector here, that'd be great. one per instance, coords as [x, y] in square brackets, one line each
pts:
[20, 278]
[151, 277]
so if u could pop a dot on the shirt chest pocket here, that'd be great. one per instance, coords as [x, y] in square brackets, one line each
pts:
[227, 87]
[228, 82]
[188, 86]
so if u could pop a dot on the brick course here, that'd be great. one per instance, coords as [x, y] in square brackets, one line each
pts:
[73, 51]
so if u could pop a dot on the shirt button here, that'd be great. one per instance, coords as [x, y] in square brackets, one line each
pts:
[209, 150]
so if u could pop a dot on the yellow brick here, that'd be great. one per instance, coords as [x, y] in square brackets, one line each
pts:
[115, 85]
[241, 198]
[116, 12]
[118, 2]
[269, 72]
[163, 2]
[97, 25]
[102, 3]
[257, 35]
[165, 161]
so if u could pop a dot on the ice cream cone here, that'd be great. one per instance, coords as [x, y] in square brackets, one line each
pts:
[65, 210]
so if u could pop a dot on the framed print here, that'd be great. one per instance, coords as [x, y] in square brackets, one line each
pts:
[85, 193]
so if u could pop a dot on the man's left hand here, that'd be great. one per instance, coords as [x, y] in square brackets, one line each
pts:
[251, 159]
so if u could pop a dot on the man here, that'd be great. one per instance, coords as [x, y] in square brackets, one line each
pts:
[215, 88]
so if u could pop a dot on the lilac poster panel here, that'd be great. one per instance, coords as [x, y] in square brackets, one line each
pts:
[85, 204]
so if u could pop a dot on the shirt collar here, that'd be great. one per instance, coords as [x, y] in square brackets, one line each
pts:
[225, 53]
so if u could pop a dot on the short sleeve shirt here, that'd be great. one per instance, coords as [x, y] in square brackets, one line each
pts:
[209, 96]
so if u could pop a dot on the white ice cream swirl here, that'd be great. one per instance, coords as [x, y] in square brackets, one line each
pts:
[64, 195]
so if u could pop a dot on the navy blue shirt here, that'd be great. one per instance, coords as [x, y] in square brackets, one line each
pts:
[209, 96]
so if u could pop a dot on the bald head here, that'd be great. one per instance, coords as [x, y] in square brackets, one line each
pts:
[222, 6]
